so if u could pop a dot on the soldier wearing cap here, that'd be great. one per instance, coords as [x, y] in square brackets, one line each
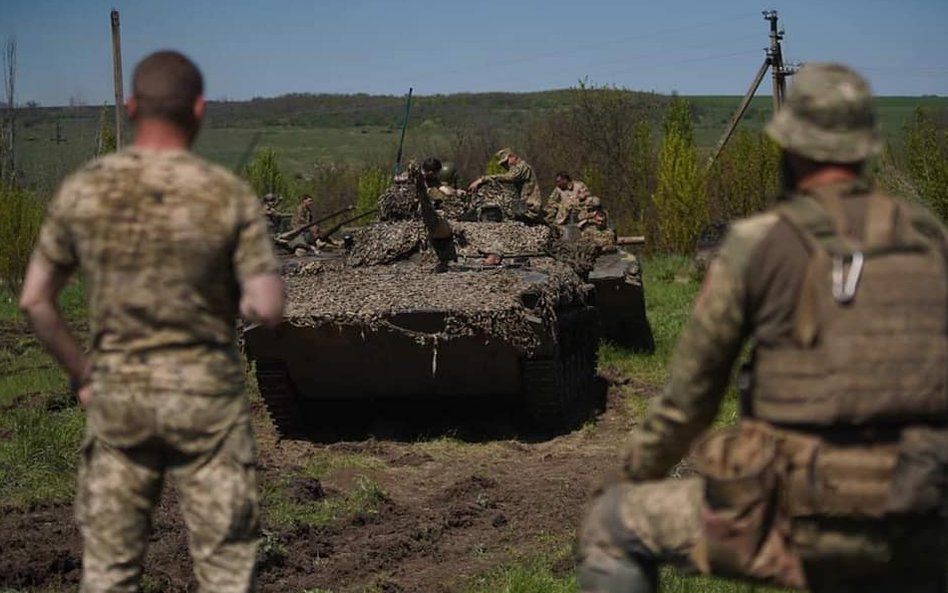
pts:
[520, 175]
[833, 479]
[594, 223]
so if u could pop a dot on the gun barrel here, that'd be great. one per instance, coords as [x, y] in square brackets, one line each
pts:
[631, 240]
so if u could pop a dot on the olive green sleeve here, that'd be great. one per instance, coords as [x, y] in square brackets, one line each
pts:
[704, 358]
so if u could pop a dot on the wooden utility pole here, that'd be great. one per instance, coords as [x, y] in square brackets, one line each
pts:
[779, 71]
[117, 76]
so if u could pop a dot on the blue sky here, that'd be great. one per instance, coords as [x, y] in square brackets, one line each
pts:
[249, 49]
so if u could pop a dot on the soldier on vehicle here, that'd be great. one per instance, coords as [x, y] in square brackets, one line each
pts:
[164, 385]
[567, 199]
[594, 224]
[834, 477]
[521, 177]
[436, 180]
[305, 242]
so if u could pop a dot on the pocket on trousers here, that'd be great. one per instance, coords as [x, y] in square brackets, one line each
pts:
[738, 466]
[919, 482]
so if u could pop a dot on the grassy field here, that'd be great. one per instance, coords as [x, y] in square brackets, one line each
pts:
[46, 156]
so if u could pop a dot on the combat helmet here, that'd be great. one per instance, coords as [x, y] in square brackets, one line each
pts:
[828, 116]
[448, 174]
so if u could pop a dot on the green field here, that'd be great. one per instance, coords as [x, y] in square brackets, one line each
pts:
[308, 132]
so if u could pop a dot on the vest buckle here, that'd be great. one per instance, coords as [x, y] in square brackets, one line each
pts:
[844, 285]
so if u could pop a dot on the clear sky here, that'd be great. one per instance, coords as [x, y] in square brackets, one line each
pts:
[256, 48]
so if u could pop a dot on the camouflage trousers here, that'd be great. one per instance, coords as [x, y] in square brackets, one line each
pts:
[630, 529]
[118, 489]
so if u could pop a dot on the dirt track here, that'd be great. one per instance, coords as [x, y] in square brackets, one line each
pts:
[455, 508]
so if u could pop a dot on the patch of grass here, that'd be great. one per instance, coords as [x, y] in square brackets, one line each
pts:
[324, 465]
[38, 454]
[282, 511]
[72, 303]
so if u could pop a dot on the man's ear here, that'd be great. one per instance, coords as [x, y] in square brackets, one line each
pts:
[131, 108]
[199, 107]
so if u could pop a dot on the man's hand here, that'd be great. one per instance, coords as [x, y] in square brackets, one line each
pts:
[475, 184]
[85, 395]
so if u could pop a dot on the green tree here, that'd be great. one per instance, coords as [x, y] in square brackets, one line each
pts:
[681, 197]
[925, 145]
[20, 218]
[745, 176]
[264, 175]
[372, 182]
[105, 139]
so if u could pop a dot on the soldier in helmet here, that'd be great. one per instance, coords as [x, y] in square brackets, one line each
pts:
[833, 479]
[440, 179]
[520, 175]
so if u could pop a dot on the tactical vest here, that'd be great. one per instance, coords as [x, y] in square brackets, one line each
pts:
[870, 322]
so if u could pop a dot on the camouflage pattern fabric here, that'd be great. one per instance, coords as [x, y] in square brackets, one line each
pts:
[163, 240]
[565, 202]
[522, 177]
[828, 116]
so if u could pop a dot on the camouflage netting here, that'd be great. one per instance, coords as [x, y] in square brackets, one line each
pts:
[474, 239]
[386, 242]
[485, 301]
[400, 202]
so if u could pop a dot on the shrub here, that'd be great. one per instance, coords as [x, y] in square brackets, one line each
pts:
[681, 198]
[372, 182]
[926, 160]
[744, 177]
[20, 218]
[264, 175]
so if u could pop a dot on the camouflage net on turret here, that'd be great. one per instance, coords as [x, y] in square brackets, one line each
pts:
[400, 202]
[379, 244]
[486, 301]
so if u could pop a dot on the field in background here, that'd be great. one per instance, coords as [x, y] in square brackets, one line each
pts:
[366, 133]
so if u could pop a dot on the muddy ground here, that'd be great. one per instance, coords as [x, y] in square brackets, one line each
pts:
[465, 493]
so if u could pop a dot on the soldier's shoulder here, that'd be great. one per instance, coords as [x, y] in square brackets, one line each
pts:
[751, 230]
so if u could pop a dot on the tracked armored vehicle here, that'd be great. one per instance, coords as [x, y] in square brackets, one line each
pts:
[401, 315]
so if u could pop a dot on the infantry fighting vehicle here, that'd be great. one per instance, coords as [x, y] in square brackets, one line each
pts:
[620, 298]
[401, 315]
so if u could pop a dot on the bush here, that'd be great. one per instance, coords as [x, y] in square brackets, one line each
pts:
[925, 146]
[745, 176]
[20, 218]
[372, 182]
[681, 198]
[264, 175]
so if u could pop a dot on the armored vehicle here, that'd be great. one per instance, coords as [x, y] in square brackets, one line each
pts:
[400, 314]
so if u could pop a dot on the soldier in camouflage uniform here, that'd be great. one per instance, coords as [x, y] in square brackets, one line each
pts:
[304, 242]
[521, 177]
[171, 248]
[833, 479]
[594, 223]
[567, 200]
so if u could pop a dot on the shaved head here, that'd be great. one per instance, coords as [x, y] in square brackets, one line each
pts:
[165, 86]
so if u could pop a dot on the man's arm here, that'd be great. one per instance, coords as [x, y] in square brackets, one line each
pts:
[516, 173]
[709, 346]
[38, 301]
[261, 299]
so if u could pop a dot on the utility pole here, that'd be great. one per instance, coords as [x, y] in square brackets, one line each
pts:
[117, 77]
[779, 72]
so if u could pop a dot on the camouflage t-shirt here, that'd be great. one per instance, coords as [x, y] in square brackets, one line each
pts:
[522, 177]
[163, 240]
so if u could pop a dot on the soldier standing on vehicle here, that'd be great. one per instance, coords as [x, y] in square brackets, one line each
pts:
[834, 477]
[171, 249]
[520, 176]
[566, 202]
[304, 242]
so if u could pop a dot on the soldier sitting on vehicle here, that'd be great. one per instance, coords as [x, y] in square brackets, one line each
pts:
[594, 222]
[521, 178]
[567, 199]
[304, 242]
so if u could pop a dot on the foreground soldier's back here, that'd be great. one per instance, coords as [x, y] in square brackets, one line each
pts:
[171, 249]
[833, 480]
